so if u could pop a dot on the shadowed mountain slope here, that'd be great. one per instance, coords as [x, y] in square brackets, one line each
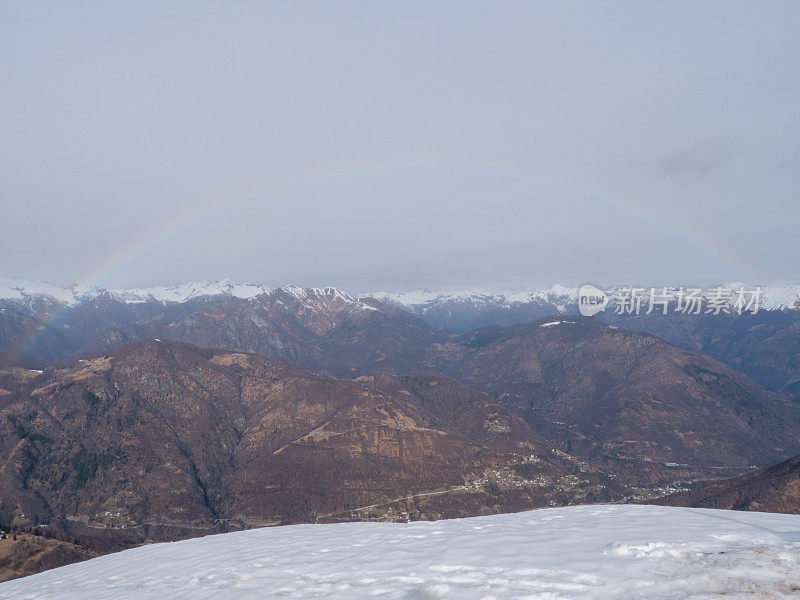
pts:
[626, 397]
[772, 489]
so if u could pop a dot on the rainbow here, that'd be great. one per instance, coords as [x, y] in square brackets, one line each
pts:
[730, 259]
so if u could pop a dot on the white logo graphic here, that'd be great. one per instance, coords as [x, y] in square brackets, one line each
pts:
[591, 300]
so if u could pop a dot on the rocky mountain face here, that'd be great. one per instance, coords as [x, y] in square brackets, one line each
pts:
[25, 339]
[627, 399]
[465, 311]
[29, 554]
[322, 330]
[161, 437]
[319, 329]
[765, 346]
[55, 330]
[772, 489]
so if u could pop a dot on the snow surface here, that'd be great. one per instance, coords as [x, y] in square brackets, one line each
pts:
[599, 552]
[554, 323]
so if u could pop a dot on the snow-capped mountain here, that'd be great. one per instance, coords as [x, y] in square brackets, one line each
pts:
[18, 289]
[328, 299]
[599, 552]
[462, 311]
[557, 298]
[46, 322]
[43, 296]
[423, 297]
[781, 297]
[188, 291]
[423, 300]
[773, 297]
[23, 289]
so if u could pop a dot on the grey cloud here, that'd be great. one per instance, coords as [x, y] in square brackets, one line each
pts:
[404, 144]
[699, 160]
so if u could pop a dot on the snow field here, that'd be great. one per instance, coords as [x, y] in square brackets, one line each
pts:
[602, 552]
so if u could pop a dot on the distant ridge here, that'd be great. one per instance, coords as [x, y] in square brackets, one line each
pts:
[19, 289]
[562, 298]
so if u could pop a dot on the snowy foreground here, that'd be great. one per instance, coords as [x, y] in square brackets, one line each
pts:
[575, 552]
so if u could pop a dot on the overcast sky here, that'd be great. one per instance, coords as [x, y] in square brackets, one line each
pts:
[398, 145]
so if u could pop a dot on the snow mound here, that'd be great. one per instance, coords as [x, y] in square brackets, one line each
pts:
[599, 552]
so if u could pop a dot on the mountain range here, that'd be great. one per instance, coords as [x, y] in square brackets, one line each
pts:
[158, 414]
[656, 411]
[49, 322]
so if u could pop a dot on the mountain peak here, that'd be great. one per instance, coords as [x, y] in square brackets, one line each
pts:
[24, 289]
[500, 297]
[326, 299]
